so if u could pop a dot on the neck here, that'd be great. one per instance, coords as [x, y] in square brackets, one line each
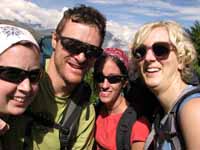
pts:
[60, 86]
[119, 106]
[169, 95]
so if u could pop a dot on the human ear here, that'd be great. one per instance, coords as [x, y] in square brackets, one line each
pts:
[54, 40]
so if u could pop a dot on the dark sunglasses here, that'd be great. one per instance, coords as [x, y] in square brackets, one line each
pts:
[17, 75]
[76, 47]
[99, 78]
[161, 50]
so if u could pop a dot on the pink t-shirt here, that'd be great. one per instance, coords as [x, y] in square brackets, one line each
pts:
[106, 130]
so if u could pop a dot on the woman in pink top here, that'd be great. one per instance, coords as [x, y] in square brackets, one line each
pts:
[111, 78]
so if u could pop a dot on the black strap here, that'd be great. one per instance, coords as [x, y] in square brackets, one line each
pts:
[72, 115]
[124, 129]
[70, 124]
[183, 97]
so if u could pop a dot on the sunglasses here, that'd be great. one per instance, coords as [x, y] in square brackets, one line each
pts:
[76, 47]
[112, 79]
[17, 75]
[161, 51]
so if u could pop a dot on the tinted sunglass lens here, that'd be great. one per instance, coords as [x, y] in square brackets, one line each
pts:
[34, 75]
[161, 50]
[11, 75]
[99, 78]
[16, 75]
[71, 46]
[114, 79]
[140, 52]
[93, 53]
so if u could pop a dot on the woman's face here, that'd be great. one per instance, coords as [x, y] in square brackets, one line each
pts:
[109, 92]
[159, 74]
[15, 97]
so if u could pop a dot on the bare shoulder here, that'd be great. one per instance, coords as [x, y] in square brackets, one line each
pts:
[191, 109]
[190, 123]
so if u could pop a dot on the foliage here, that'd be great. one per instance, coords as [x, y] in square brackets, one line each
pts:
[194, 32]
[89, 79]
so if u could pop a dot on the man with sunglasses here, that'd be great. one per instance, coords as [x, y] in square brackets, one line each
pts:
[164, 57]
[76, 44]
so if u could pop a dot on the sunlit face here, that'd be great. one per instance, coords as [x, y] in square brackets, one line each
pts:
[72, 67]
[110, 93]
[14, 98]
[159, 74]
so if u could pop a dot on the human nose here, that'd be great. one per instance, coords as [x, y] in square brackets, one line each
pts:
[149, 56]
[81, 57]
[25, 85]
[105, 83]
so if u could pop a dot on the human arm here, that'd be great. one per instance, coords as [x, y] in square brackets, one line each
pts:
[140, 131]
[190, 124]
[85, 134]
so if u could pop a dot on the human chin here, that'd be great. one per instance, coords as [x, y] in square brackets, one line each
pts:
[73, 78]
[104, 96]
[152, 83]
[17, 110]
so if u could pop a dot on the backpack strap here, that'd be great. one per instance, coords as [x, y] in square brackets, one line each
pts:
[72, 115]
[124, 129]
[168, 128]
[175, 111]
[191, 91]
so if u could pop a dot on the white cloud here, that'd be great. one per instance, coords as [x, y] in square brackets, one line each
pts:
[29, 12]
[122, 32]
[159, 8]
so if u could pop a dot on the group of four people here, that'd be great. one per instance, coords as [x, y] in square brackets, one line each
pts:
[162, 57]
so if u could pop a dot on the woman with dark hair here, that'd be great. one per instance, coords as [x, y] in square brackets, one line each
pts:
[111, 78]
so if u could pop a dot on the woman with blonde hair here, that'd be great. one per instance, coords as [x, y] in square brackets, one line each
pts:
[164, 56]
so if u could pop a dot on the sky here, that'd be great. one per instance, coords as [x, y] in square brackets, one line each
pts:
[124, 17]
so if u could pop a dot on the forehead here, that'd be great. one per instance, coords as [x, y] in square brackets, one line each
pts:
[158, 34]
[19, 54]
[110, 63]
[83, 32]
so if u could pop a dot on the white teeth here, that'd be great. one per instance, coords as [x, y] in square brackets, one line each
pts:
[19, 99]
[152, 69]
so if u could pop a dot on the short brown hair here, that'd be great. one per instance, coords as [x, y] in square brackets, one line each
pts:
[86, 15]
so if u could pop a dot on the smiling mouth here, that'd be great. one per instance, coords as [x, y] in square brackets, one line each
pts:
[19, 99]
[77, 66]
[152, 70]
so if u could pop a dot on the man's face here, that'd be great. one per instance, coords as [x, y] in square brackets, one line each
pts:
[72, 67]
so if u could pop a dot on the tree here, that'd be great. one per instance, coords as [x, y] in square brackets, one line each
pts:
[194, 32]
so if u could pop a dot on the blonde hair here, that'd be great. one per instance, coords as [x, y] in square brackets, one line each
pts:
[186, 53]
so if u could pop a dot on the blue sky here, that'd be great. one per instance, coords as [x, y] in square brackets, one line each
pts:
[123, 16]
[136, 11]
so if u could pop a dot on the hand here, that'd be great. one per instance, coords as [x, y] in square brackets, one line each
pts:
[3, 127]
